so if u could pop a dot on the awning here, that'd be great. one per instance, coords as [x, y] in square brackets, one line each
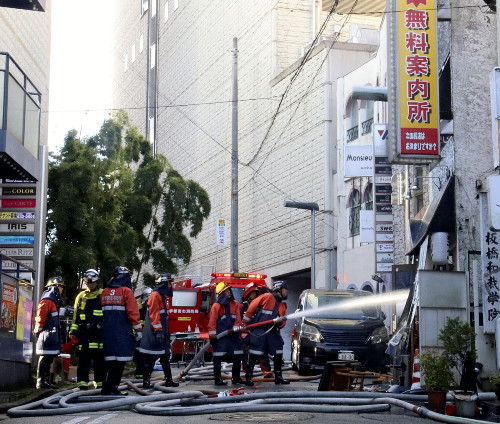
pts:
[439, 217]
[363, 6]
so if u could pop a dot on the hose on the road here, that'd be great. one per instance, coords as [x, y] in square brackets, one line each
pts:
[178, 403]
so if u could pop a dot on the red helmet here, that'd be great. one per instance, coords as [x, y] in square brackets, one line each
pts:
[249, 288]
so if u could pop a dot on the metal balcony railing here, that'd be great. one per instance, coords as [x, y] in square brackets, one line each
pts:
[366, 127]
[20, 105]
[352, 134]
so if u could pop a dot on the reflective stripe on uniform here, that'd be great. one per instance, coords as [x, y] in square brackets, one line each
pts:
[137, 326]
[219, 353]
[256, 352]
[212, 332]
[157, 326]
[118, 358]
[238, 352]
[162, 311]
[82, 384]
[94, 345]
[54, 314]
[266, 311]
[83, 317]
[98, 312]
[152, 352]
[113, 308]
[48, 352]
[74, 327]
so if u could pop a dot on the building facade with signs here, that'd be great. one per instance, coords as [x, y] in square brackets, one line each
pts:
[25, 65]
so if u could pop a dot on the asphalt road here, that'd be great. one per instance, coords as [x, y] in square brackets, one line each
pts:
[395, 415]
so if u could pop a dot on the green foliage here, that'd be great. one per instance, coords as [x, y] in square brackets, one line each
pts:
[458, 339]
[104, 195]
[436, 369]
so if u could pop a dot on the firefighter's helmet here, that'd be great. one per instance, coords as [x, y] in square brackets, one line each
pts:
[55, 281]
[164, 278]
[220, 287]
[146, 292]
[249, 288]
[120, 272]
[91, 275]
[278, 285]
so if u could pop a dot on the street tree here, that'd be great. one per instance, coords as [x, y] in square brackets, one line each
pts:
[111, 202]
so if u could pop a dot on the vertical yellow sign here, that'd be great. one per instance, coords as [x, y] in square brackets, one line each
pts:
[418, 78]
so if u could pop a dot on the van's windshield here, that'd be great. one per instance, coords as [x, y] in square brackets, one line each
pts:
[338, 311]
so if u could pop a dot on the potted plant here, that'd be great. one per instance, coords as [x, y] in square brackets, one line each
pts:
[495, 380]
[438, 378]
[458, 339]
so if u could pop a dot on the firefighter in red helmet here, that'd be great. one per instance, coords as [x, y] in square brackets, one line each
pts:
[252, 291]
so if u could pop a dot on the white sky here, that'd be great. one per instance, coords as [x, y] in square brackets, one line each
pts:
[81, 67]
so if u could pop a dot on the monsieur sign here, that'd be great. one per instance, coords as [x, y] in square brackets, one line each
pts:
[358, 161]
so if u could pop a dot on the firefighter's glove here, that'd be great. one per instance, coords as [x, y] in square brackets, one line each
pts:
[236, 328]
[138, 336]
[213, 340]
[160, 337]
[279, 321]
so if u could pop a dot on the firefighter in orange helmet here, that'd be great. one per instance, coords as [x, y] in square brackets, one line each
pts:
[225, 315]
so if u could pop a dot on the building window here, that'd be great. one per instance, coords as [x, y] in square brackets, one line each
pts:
[176, 4]
[366, 112]
[354, 207]
[133, 53]
[152, 58]
[125, 63]
[141, 43]
[352, 120]
[144, 6]
[368, 197]
[166, 11]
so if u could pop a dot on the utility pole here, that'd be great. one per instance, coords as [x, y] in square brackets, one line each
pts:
[234, 161]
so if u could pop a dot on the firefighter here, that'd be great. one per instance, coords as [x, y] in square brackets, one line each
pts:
[267, 338]
[251, 292]
[87, 327]
[120, 319]
[225, 315]
[142, 304]
[47, 326]
[156, 340]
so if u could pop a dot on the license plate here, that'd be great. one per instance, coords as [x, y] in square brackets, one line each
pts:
[346, 356]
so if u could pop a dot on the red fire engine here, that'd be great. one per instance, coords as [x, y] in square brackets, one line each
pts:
[190, 305]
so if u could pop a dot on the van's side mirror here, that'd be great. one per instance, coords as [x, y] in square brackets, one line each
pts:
[204, 295]
[203, 309]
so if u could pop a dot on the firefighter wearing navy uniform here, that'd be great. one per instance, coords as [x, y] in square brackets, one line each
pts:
[87, 327]
[267, 338]
[225, 315]
[142, 304]
[251, 292]
[120, 319]
[156, 340]
[47, 329]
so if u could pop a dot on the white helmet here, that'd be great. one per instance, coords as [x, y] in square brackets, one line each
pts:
[91, 275]
[146, 292]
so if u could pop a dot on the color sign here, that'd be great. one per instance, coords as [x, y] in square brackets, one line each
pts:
[25, 306]
[18, 203]
[417, 78]
[17, 239]
[17, 215]
[18, 191]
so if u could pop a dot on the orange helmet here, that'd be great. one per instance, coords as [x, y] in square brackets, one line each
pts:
[249, 288]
